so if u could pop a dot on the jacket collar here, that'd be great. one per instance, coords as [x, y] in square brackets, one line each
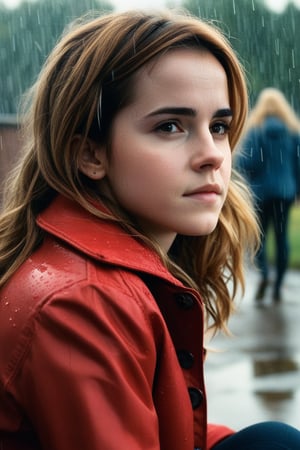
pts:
[102, 240]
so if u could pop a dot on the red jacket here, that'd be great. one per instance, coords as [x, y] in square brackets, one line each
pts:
[101, 348]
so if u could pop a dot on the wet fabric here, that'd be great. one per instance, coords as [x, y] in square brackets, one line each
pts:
[269, 159]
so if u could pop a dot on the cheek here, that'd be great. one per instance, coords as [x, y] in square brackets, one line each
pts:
[133, 177]
[227, 167]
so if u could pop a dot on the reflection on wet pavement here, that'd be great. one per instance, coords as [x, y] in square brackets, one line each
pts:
[255, 375]
[273, 366]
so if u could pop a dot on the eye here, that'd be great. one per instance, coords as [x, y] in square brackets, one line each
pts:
[220, 128]
[170, 127]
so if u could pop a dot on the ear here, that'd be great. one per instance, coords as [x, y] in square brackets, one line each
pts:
[91, 157]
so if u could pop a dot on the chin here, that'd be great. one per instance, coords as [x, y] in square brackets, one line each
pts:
[209, 225]
[208, 230]
[204, 230]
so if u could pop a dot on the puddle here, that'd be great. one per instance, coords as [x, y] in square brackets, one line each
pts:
[274, 366]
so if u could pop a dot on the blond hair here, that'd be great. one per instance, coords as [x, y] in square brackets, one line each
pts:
[85, 82]
[272, 102]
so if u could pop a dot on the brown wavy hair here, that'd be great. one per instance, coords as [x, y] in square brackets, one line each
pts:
[86, 80]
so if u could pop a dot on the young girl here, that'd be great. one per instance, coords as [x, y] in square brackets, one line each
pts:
[121, 229]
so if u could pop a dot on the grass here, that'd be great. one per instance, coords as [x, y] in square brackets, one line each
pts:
[294, 237]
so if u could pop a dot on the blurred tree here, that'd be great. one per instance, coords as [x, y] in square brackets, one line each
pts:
[267, 43]
[27, 34]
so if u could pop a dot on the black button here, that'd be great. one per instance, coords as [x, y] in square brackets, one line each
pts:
[185, 358]
[185, 300]
[196, 397]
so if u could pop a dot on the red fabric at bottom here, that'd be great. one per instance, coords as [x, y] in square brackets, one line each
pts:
[216, 433]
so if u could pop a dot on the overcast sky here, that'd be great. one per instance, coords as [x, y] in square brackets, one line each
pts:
[277, 5]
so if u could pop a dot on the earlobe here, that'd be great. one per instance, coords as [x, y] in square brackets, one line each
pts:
[91, 157]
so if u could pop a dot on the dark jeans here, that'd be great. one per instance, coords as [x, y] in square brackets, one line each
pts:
[263, 436]
[274, 212]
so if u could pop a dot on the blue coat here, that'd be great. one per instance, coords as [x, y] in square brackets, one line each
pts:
[270, 160]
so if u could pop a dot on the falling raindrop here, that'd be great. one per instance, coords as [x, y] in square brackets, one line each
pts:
[293, 58]
[233, 7]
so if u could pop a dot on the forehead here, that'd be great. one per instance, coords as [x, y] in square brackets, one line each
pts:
[181, 73]
[175, 55]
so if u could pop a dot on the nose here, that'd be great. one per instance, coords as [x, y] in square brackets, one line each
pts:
[207, 152]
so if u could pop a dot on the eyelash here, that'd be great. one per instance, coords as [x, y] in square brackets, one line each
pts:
[224, 125]
[162, 126]
[170, 123]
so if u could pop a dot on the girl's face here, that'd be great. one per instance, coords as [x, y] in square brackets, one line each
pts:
[170, 164]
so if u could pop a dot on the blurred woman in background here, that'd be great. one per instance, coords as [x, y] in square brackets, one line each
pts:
[270, 160]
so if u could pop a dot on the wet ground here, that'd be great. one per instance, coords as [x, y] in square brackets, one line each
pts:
[255, 375]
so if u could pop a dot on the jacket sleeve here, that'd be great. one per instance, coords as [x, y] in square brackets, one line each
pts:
[216, 433]
[87, 378]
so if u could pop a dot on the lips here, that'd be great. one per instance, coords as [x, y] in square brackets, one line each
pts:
[206, 189]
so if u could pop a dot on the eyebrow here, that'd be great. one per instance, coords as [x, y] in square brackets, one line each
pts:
[183, 111]
[225, 112]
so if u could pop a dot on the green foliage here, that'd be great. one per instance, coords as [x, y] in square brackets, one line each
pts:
[294, 233]
[267, 43]
[295, 237]
[27, 35]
